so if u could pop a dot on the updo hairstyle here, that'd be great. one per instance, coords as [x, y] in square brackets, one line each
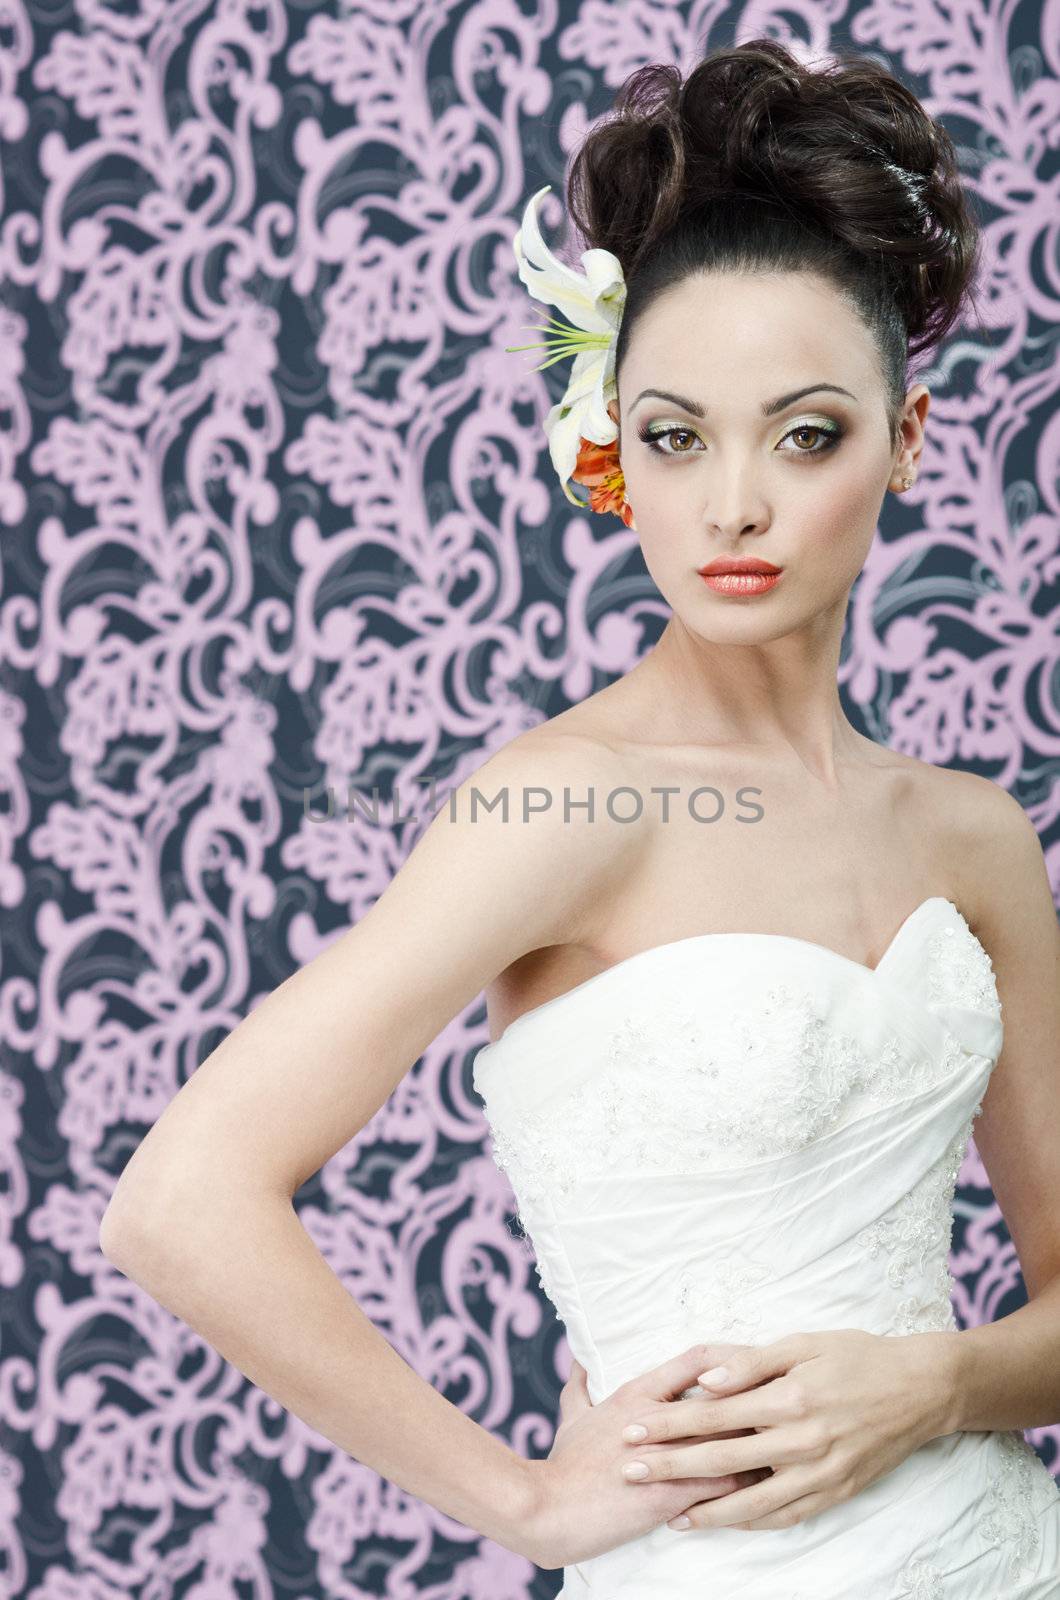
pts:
[757, 163]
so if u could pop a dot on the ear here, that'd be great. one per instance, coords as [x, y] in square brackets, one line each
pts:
[917, 405]
[613, 412]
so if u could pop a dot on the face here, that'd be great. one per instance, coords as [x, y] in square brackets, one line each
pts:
[801, 487]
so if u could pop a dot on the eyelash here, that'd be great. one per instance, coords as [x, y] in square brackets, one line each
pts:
[832, 432]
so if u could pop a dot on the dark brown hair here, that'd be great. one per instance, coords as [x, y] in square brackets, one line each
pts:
[758, 163]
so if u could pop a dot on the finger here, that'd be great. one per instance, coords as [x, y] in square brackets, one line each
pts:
[574, 1396]
[712, 1488]
[766, 1499]
[700, 1416]
[797, 1511]
[576, 1375]
[681, 1371]
[714, 1459]
[736, 1480]
[750, 1365]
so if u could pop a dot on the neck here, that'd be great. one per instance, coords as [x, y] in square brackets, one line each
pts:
[779, 697]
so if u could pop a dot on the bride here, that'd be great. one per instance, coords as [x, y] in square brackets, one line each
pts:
[744, 966]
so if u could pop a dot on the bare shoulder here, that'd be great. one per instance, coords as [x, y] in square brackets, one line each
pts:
[982, 816]
[984, 810]
[555, 782]
[585, 851]
[993, 853]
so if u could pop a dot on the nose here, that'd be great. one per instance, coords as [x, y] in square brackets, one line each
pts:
[734, 510]
[734, 530]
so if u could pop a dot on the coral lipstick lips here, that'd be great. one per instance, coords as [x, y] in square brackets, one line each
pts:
[740, 575]
[741, 582]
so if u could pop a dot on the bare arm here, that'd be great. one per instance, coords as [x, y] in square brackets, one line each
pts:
[202, 1217]
[1006, 1373]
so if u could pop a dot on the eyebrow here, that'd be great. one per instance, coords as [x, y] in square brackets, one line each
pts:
[769, 408]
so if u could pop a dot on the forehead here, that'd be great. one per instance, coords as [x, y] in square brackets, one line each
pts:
[735, 331]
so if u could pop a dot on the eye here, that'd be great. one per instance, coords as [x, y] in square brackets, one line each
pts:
[651, 435]
[828, 432]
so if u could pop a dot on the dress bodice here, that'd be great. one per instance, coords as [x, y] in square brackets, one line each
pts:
[766, 1110]
[734, 1136]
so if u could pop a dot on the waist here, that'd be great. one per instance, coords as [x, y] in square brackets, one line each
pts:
[970, 1501]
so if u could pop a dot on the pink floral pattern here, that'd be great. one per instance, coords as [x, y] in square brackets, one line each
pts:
[268, 481]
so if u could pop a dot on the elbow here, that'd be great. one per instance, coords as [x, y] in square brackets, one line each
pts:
[134, 1241]
[129, 1228]
[115, 1231]
[139, 1214]
[136, 1244]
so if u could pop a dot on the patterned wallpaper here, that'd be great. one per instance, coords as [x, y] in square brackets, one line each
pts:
[275, 513]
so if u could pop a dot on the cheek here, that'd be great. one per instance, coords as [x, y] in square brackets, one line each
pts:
[670, 558]
[845, 515]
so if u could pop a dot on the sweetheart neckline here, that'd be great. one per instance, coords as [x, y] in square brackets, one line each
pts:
[699, 938]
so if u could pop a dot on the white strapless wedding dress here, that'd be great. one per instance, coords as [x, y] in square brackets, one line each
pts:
[735, 1136]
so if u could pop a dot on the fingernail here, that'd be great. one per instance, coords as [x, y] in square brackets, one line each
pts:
[680, 1522]
[636, 1469]
[715, 1375]
[634, 1432]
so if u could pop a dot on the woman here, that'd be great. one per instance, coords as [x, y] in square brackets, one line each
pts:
[734, 1067]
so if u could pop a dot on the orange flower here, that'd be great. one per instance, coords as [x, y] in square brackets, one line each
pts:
[599, 469]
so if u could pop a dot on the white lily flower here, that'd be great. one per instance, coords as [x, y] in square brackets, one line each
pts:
[594, 302]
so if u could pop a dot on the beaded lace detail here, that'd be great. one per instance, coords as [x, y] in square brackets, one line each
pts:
[670, 1099]
[920, 1580]
[915, 1237]
[756, 1085]
[724, 1302]
[959, 970]
[1011, 1520]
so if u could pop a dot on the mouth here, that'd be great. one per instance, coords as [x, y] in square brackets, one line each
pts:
[737, 564]
[746, 576]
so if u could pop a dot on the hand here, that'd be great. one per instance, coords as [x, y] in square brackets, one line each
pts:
[583, 1505]
[830, 1413]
